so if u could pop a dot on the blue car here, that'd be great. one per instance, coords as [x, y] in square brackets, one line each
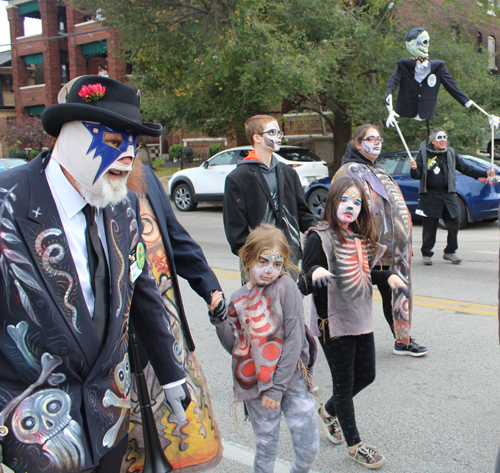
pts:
[477, 201]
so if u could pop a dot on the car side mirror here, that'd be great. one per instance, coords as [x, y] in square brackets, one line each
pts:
[205, 164]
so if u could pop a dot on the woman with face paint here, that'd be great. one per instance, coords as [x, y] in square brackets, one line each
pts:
[393, 224]
[272, 351]
[338, 270]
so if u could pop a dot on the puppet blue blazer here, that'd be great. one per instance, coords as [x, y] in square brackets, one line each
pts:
[77, 407]
[421, 98]
[184, 254]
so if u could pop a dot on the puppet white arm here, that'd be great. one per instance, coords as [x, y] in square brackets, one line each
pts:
[391, 119]
[493, 119]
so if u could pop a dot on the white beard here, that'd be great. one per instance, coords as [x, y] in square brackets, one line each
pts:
[111, 192]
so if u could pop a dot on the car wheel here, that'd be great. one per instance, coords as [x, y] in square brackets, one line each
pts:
[183, 198]
[316, 202]
[463, 215]
[497, 149]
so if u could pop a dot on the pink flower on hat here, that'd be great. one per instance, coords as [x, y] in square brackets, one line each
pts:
[92, 92]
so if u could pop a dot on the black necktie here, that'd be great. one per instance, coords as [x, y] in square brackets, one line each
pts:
[99, 276]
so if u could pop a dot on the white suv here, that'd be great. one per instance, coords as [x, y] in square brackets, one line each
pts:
[206, 183]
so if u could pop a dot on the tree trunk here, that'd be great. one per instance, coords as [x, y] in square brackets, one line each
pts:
[342, 133]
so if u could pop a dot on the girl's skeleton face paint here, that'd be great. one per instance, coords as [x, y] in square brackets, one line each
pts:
[267, 269]
[271, 142]
[371, 145]
[349, 206]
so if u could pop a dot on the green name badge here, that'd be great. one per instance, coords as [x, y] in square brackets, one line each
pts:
[141, 255]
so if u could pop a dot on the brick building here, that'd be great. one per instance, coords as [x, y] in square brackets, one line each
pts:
[70, 45]
[7, 108]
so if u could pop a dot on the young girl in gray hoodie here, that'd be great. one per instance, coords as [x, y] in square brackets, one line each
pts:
[272, 354]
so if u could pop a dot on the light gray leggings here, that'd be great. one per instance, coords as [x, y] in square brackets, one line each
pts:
[297, 405]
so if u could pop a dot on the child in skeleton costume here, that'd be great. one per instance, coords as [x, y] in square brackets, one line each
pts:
[272, 351]
[393, 227]
[338, 269]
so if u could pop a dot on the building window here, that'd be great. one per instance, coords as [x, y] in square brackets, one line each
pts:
[34, 62]
[61, 19]
[93, 16]
[492, 50]
[64, 59]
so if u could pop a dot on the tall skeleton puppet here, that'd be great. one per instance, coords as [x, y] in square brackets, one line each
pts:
[419, 79]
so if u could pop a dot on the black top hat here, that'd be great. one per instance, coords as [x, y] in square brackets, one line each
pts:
[117, 106]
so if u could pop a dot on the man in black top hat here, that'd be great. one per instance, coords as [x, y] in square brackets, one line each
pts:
[72, 268]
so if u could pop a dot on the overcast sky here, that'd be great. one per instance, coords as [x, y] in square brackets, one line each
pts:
[32, 26]
[4, 27]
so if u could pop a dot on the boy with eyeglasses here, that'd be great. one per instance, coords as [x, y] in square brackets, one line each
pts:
[264, 190]
[435, 167]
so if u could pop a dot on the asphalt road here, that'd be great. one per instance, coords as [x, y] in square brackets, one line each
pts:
[436, 414]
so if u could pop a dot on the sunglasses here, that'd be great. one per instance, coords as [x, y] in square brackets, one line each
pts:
[441, 137]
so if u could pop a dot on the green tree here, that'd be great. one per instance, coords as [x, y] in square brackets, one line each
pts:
[209, 65]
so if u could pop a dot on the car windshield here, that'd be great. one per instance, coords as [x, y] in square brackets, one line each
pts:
[11, 162]
[298, 154]
[482, 161]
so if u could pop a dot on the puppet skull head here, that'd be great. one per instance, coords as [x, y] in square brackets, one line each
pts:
[417, 42]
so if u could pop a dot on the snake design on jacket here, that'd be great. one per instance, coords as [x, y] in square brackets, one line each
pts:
[51, 255]
[121, 264]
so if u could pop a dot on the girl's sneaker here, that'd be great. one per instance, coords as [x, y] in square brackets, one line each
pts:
[367, 456]
[331, 426]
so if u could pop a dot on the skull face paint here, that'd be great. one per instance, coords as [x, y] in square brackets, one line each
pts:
[349, 206]
[267, 269]
[419, 47]
[272, 136]
[372, 143]
[91, 153]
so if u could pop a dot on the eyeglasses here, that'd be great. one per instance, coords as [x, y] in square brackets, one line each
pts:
[441, 137]
[374, 139]
[273, 133]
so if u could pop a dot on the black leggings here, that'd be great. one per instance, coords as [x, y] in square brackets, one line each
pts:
[352, 363]
[386, 293]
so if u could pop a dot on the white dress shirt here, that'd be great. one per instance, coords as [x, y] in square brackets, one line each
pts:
[69, 205]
